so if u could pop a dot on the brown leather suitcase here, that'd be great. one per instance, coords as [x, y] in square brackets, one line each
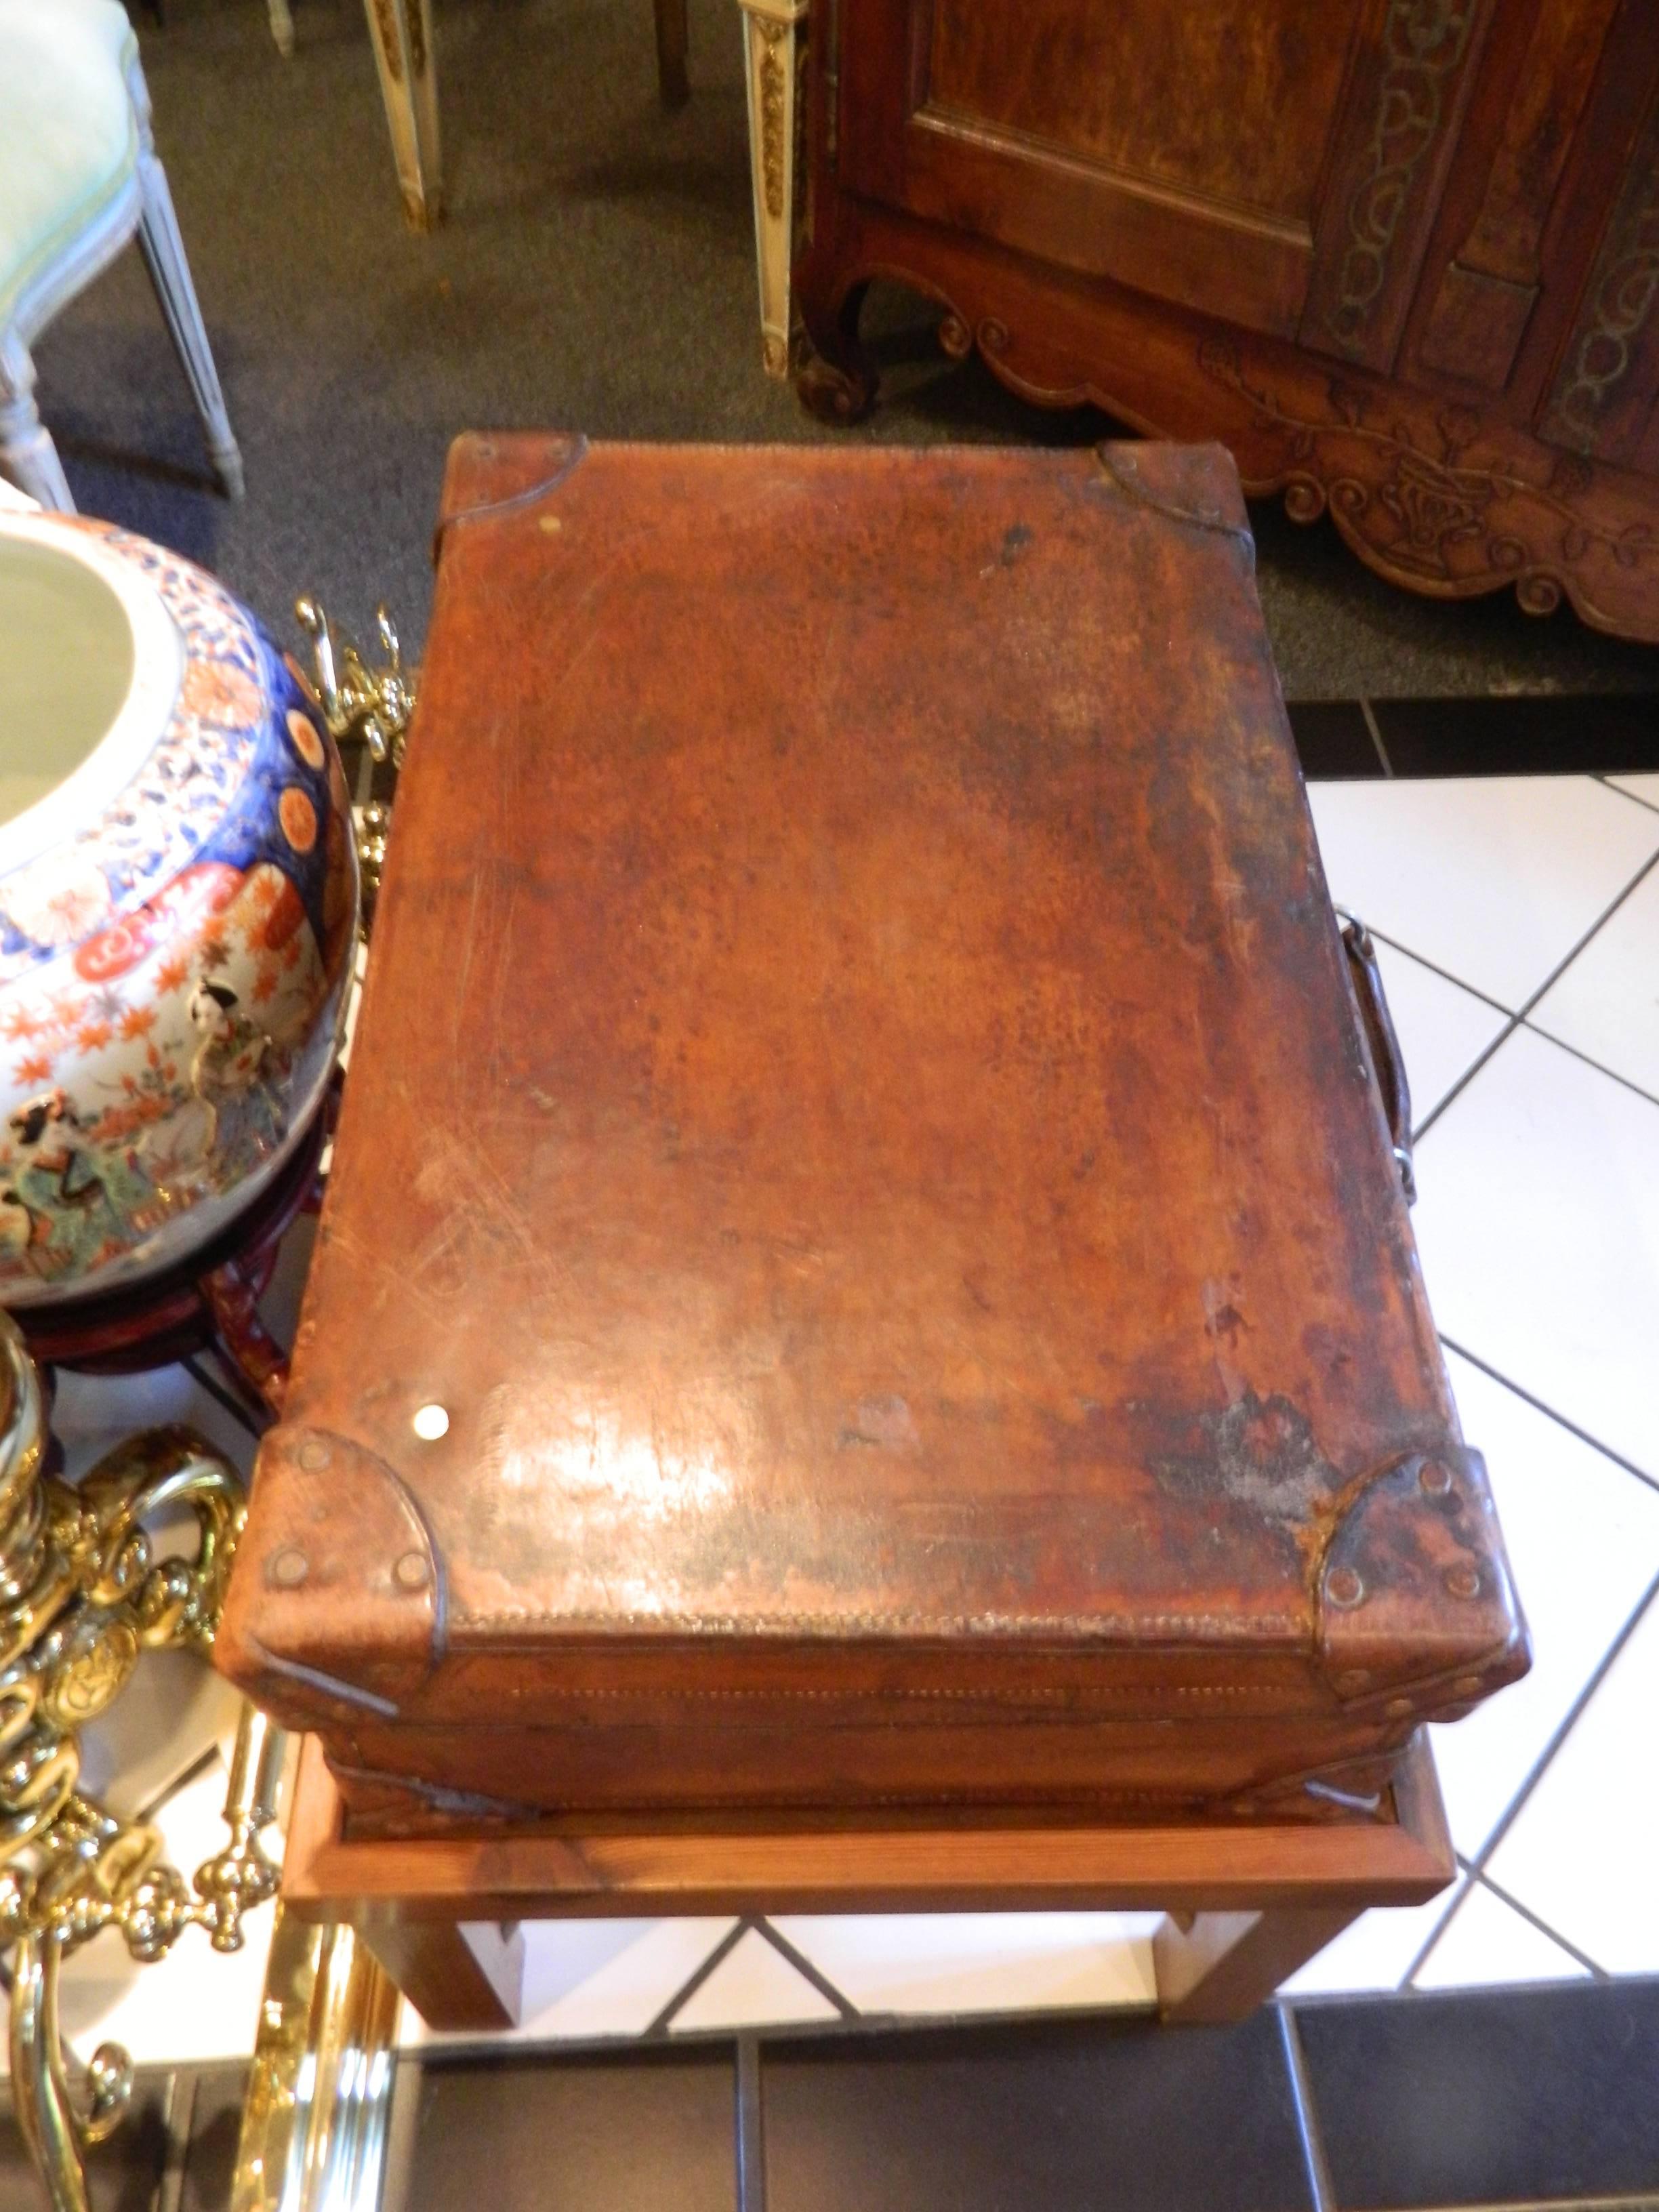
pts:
[862, 1138]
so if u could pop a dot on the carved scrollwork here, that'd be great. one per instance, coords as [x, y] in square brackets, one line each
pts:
[772, 84]
[1621, 299]
[385, 23]
[1423, 45]
[1440, 512]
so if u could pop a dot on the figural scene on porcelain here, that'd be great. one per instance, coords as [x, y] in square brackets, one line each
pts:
[177, 908]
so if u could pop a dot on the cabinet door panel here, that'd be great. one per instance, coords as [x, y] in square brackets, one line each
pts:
[1605, 400]
[1177, 145]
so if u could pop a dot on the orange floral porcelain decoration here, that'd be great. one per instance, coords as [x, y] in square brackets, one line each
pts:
[177, 915]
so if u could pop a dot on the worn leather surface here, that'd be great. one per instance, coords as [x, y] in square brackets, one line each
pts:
[859, 1120]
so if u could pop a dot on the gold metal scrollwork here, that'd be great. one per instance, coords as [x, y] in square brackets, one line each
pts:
[367, 705]
[83, 1593]
[774, 86]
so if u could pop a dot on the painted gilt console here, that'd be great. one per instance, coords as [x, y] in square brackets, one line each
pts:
[1402, 256]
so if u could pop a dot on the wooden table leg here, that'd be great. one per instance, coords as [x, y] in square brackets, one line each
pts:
[1220, 1966]
[672, 46]
[459, 1975]
[402, 33]
[775, 36]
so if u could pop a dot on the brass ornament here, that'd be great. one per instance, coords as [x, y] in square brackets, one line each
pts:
[362, 705]
[773, 84]
[83, 1593]
[385, 24]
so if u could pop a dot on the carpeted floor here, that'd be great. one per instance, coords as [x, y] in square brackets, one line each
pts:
[597, 271]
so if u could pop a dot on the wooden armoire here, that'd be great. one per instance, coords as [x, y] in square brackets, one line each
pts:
[1402, 256]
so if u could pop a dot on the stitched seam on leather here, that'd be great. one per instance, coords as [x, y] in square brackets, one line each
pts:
[1227, 1627]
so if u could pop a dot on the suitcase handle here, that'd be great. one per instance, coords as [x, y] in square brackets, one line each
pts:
[1388, 1061]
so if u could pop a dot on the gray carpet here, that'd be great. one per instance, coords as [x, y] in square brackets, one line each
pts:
[597, 272]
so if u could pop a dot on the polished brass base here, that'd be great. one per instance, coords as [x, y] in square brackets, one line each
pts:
[316, 2125]
[82, 1595]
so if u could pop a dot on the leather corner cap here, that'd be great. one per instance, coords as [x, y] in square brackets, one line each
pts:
[337, 1600]
[1198, 486]
[1417, 1612]
[488, 471]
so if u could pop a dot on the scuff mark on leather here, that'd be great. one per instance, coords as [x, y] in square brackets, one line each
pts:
[1258, 1452]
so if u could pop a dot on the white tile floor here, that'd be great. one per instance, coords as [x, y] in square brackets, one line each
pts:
[1518, 920]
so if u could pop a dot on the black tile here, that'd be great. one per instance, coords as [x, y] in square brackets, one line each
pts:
[1067, 2116]
[214, 2123]
[1582, 736]
[1332, 739]
[123, 2172]
[628, 2134]
[1489, 2095]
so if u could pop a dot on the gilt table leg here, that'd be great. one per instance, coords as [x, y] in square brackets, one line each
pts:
[1221, 1965]
[774, 40]
[402, 33]
[317, 2114]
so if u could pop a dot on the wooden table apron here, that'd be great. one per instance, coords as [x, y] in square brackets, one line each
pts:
[1248, 1905]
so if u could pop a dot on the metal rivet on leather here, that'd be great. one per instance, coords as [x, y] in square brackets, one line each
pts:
[1467, 1685]
[1434, 1478]
[1397, 1708]
[314, 1455]
[1344, 1587]
[431, 1422]
[1463, 1582]
[412, 1571]
[288, 1568]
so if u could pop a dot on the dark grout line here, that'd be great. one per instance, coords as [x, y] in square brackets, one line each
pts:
[1635, 799]
[1455, 1904]
[180, 2124]
[1321, 2194]
[1519, 1020]
[1604, 917]
[1538, 1407]
[804, 1967]
[1561, 1943]
[1535, 1773]
[1435, 969]
[1512, 1023]
[197, 1766]
[694, 1982]
[238, 1412]
[1601, 1067]
[751, 2128]
[255, 1413]
[1376, 738]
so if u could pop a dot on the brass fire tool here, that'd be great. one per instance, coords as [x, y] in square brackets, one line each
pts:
[83, 1593]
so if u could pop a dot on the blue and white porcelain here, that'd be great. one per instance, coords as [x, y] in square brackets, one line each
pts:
[177, 908]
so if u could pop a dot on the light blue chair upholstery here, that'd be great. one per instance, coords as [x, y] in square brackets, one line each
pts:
[78, 175]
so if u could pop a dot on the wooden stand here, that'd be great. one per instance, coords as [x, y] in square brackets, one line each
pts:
[209, 1301]
[1248, 1905]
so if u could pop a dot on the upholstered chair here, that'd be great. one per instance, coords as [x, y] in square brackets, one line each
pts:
[78, 175]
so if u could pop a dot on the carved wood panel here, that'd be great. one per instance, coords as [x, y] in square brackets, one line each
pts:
[1229, 103]
[1175, 145]
[1488, 290]
[1399, 130]
[1604, 397]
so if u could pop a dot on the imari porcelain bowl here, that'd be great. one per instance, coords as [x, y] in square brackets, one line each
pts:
[177, 908]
